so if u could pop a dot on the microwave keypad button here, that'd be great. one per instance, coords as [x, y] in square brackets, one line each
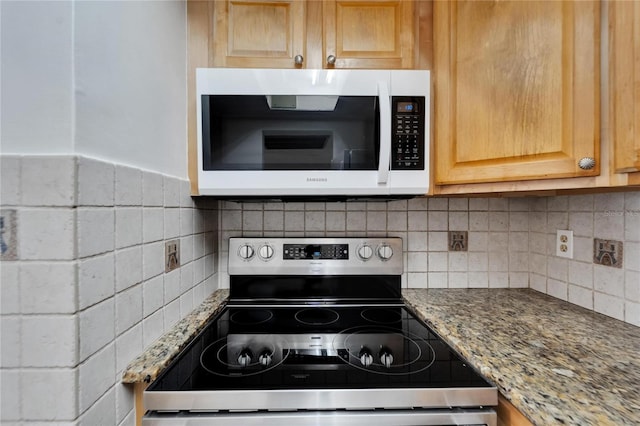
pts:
[406, 142]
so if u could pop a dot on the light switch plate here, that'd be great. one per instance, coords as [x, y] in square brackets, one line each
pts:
[564, 244]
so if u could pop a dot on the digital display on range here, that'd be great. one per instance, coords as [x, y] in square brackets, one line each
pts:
[315, 251]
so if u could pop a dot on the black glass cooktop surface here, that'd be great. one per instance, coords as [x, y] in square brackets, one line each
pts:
[316, 347]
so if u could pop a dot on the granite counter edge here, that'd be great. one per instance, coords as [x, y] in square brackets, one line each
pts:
[147, 366]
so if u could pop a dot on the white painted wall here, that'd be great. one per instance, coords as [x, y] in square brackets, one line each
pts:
[105, 79]
[130, 65]
[36, 77]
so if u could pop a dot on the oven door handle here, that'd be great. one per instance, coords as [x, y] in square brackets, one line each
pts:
[385, 132]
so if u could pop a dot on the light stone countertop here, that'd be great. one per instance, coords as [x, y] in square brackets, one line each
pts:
[556, 362]
[147, 366]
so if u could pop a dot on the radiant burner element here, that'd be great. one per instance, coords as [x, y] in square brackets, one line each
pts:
[252, 317]
[317, 316]
[381, 315]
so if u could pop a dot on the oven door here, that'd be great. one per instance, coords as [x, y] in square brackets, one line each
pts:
[305, 132]
[327, 418]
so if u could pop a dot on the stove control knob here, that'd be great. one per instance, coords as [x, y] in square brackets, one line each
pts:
[265, 252]
[365, 357]
[244, 359]
[386, 358]
[245, 252]
[365, 252]
[265, 358]
[385, 252]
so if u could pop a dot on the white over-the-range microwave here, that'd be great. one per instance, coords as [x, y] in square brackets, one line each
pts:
[334, 134]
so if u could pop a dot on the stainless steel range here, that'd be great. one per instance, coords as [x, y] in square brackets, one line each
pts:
[315, 333]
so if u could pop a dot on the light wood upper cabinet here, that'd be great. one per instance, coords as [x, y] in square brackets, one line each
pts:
[624, 84]
[517, 88]
[379, 34]
[369, 33]
[258, 34]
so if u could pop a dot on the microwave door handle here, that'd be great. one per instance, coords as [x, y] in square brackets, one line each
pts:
[385, 132]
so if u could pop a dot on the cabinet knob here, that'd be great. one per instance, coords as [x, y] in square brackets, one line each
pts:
[331, 60]
[587, 163]
[298, 59]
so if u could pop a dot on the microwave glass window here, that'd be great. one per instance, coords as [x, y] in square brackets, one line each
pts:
[247, 132]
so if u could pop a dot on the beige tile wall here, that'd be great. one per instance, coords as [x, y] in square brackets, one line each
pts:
[87, 290]
[511, 241]
[497, 231]
[616, 216]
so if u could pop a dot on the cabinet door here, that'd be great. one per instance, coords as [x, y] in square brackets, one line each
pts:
[369, 33]
[508, 415]
[624, 79]
[516, 89]
[258, 34]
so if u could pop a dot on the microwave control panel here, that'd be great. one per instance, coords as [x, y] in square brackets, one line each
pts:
[407, 132]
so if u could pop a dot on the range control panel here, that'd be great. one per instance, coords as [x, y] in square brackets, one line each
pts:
[315, 251]
[314, 256]
[407, 132]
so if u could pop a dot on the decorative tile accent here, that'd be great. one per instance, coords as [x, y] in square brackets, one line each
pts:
[171, 255]
[608, 252]
[8, 234]
[458, 240]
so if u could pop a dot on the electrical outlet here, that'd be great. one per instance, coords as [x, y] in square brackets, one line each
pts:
[458, 240]
[607, 252]
[171, 255]
[564, 244]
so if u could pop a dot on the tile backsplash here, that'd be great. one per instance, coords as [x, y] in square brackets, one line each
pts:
[511, 241]
[614, 216]
[85, 289]
[497, 231]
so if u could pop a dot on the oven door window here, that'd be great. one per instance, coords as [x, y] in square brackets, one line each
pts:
[288, 132]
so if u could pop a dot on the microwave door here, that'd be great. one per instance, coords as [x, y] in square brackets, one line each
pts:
[385, 133]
